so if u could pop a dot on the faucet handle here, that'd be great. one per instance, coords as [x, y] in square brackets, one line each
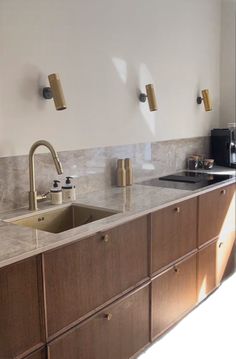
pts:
[42, 197]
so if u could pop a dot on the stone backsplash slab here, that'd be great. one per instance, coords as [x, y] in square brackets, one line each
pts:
[94, 169]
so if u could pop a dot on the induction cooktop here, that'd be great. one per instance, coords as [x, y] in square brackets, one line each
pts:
[187, 180]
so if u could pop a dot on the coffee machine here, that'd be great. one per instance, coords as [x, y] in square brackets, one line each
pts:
[223, 146]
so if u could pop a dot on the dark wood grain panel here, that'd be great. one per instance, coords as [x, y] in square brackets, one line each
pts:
[225, 257]
[216, 214]
[83, 276]
[173, 233]
[39, 354]
[216, 262]
[207, 270]
[173, 294]
[20, 308]
[116, 333]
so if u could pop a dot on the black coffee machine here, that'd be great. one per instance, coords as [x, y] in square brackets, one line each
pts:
[223, 146]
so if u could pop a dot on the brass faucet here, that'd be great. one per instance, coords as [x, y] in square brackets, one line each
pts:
[33, 197]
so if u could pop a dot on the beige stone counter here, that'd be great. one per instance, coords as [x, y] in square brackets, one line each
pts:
[17, 242]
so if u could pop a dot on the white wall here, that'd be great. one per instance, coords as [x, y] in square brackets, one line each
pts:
[105, 51]
[228, 46]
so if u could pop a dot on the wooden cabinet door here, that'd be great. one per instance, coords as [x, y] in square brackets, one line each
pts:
[173, 295]
[207, 270]
[173, 233]
[20, 309]
[39, 354]
[216, 214]
[225, 257]
[115, 333]
[216, 262]
[81, 277]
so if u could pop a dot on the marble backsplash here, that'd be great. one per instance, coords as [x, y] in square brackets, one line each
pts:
[94, 169]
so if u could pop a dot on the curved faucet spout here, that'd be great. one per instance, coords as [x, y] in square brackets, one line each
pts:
[33, 193]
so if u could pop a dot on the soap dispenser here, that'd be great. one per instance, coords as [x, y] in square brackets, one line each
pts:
[56, 193]
[68, 190]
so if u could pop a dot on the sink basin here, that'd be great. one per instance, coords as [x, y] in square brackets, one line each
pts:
[62, 219]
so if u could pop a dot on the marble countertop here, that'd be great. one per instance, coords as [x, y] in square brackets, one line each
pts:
[18, 242]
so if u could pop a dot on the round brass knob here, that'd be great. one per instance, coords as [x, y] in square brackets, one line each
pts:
[105, 238]
[223, 191]
[177, 209]
[108, 316]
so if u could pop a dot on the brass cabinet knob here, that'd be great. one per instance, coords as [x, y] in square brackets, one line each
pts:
[223, 191]
[176, 269]
[105, 238]
[177, 209]
[108, 316]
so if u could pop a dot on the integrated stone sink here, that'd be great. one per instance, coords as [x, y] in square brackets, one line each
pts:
[62, 219]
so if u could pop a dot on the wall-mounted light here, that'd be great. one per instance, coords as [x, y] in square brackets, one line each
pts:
[205, 99]
[150, 96]
[55, 91]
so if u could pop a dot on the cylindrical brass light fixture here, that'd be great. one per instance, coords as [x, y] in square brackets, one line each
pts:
[55, 91]
[206, 100]
[151, 96]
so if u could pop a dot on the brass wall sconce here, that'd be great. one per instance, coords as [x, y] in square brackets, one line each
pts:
[205, 99]
[150, 96]
[55, 91]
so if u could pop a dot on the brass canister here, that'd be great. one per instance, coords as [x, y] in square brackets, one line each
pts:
[121, 173]
[129, 172]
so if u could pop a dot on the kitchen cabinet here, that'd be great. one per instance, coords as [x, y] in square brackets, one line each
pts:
[225, 257]
[216, 214]
[118, 332]
[173, 294]
[83, 276]
[216, 261]
[21, 326]
[173, 233]
[108, 295]
[207, 270]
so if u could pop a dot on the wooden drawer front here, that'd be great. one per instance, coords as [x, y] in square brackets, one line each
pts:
[20, 325]
[173, 294]
[216, 214]
[174, 233]
[83, 276]
[207, 271]
[117, 333]
[40, 354]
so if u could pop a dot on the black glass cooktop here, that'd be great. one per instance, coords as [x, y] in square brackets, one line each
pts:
[187, 180]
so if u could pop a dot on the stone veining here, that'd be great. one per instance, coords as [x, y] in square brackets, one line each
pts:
[94, 169]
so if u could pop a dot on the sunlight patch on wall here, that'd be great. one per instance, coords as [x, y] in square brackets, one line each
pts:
[121, 68]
